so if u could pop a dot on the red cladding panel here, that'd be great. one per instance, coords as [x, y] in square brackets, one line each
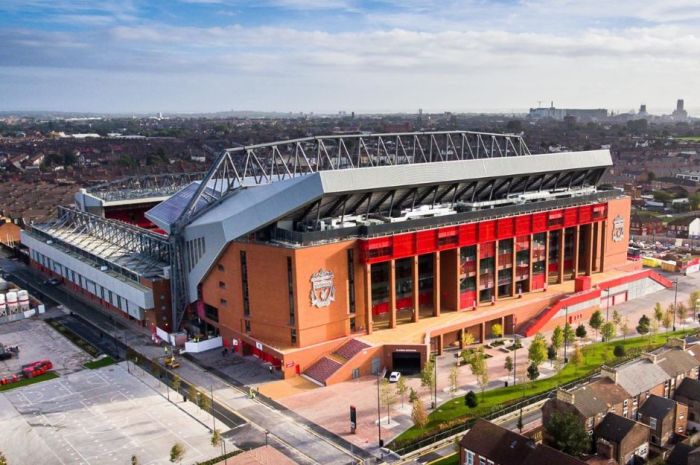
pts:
[571, 217]
[380, 243]
[585, 214]
[523, 224]
[467, 234]
[403, 245]
[539, 222]
[448, 231]
[426, 241]
[487, 231]
[505, 228]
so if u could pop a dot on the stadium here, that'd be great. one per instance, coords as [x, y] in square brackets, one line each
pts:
[336, 256]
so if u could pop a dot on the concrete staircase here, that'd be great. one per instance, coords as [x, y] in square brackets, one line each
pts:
[327, 365]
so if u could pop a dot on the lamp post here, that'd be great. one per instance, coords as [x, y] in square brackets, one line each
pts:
[515, 353]
[566, 335]
[380, 374]
[435, 362]
[607, 305]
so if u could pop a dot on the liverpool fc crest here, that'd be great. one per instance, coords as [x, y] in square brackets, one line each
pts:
[322, 288]
[618, 232]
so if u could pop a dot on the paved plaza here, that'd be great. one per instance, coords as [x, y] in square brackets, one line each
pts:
[38, 341]
[97, 417]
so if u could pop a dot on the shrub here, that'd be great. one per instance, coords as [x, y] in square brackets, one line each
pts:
[619, 350]
[470, 399]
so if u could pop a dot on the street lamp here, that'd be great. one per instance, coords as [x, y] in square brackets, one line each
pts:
[566, 335]
[435, 362]
[380, 374]
[515, 352]
[607, 306]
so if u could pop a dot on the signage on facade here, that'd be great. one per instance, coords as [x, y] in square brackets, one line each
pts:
[618, 231]
[322, 288]
[258, 345]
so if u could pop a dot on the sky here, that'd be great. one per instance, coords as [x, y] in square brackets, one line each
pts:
[326, 56]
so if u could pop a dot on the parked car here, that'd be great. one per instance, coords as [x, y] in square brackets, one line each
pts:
[52, 281]
[394, 376]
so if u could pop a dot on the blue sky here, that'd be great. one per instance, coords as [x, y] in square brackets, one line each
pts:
[352, 55]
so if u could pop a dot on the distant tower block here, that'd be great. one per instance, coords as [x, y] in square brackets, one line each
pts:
[679, 104]
[642, 109]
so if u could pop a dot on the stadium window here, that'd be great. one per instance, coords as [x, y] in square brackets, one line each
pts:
[351, 281]
[247, 326]
[244, 283]
[290, 291]
[294, 336]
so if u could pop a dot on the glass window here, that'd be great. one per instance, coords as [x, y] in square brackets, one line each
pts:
[470, 457]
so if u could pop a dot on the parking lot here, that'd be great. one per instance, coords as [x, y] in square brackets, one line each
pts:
[38, 341]
[97, 417]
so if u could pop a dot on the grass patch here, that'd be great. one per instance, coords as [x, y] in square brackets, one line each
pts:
[27, 381]
[455, 411]
[74, 338]
[449, 460]
[99, 363]
[689, 138]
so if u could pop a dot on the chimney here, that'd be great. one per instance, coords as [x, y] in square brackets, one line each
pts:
[676, 342]
[565, 396]
[653, 358]
[609, 372]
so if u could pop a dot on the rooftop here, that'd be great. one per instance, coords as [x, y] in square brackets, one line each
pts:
[657, 407]
[689, 388]
[615, 428]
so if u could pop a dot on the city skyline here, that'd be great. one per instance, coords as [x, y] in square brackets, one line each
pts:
[326, 56]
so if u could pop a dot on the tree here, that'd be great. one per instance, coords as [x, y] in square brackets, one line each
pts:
[453, 379]
[682, 313]
[533, 372]
[566, 433]
[608, 330]
[401, 388]
[412, 395]
[387, 396]
[581, 331]
[204, 402]
[177, 453]
[418, 414]
[470, 399]
[651, 176]
[192, 393]
[569, 333]
[3, 460]
[520, 421]
[480, 370]
[427, 377]
[596, 321]
[693, 298]
[134, 461]
[551, 354]
[217, 440]
[658, 312]
[577, 356]
[497, 330]
[508, 365]
[625, 327]
[619, 350]
[617, 318]
[667, 317]
[537, 352]
[643, 326]
[467, 339]
[557, 340]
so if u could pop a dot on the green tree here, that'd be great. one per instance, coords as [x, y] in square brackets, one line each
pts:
[387, 396]
[551, 354]
[192, 393]
[520, 421]
[693, 297]
[453, 379]
[508, 365]
[569, 333]
[401, 388]
[662, 196]
[418, 414]
[533, 372]
[412, 395]
[619, 350]
[470, 399]
[557, 339]
[666, 322]
[427, 377]
[480, 370]
[467, 339]
[658, 312]
[3, 460]
[616, 318]
[596, 321]
[217, 440]
[176, 383]
[608, 330]
[566, 433]
[577, 356]
[625, 327]
[177, 453]
[497, 330]
[537, 352]
[581, 332]
[205, 402]
[643, 326]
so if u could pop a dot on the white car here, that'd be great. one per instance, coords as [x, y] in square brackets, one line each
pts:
[394, 376]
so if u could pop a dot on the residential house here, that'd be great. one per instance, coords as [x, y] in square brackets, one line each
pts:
[684, 454]
[665, 418]
[489, 444]
[623, 440]
[688, 393]
[646, 225]
[684, 227]
[678, 364]
[591, 402]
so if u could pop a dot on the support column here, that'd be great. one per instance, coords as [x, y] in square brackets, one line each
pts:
[532, 259]
[562, 236]
[495, 271]
[577, 232]
[603, 236]
[416, 290]
[477, 275]
[458, 274]
[436, 283]
[483, 332]
[440, 343]
[392, 293]
[368, 297]
[546, 258]
[514, 270]
[460, 335]
[589, 250]
[594, 265]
